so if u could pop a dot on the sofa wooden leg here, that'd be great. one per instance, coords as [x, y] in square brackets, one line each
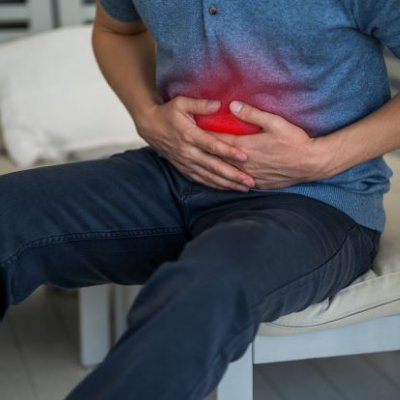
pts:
[237, 383]
[94, 326]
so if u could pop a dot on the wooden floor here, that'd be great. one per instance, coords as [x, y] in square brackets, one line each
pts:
[39, 361]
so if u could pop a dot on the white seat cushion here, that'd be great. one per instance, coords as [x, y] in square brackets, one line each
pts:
[373, 295]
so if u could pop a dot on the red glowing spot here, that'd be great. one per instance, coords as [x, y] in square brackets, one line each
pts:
[225, 79]
[225, 122]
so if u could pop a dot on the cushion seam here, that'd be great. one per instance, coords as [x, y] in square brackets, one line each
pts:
[347, 315]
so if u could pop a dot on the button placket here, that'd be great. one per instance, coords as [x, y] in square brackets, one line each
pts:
[213, 10]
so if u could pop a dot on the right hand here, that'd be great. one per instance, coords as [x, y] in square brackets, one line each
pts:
[171, 129]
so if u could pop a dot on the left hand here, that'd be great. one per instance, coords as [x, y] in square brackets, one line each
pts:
[281, 155]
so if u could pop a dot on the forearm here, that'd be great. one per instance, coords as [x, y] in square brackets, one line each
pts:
[127, 62]
[126, 54]
[370, 137]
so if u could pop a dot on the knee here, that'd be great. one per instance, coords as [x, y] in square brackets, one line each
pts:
[25, 208]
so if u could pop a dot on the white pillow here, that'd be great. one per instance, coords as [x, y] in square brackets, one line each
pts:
[54, 102]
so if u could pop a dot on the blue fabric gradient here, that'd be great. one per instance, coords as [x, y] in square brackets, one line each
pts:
[317, 63]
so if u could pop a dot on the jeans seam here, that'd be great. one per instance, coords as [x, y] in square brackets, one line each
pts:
[184, 200]
[100, 235]
[319, 267]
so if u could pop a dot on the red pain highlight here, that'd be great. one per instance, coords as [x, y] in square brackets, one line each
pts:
[225, 122]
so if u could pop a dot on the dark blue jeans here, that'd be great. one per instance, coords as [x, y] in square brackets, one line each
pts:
[215, 263]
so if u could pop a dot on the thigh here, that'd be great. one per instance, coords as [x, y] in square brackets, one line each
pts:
[287, 251]
[90, 222]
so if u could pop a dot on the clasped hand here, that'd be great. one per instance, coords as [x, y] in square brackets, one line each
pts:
[281, 155]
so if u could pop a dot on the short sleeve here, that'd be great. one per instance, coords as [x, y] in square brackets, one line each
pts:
[380, 19]
[122, 10]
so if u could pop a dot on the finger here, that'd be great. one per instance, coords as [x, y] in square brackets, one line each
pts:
[183, 169]
[199, 179]
[211, 178]
[228, 172]
[212, 145]
[202, 175]
[253, 115]
[197, 106]
[276, 181]
[191, 173]
[221, 168]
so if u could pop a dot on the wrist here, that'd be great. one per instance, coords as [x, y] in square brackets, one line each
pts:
[144, 113]
[327, 156]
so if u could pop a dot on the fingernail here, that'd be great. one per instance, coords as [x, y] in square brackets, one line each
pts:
[242, 188]
[213, 105]
[247, 182]
[241, 157]
[236, 107]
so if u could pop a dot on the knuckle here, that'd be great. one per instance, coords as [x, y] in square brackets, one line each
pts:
[189, 153]
[276, 122]
[215, 169]
[182, 150]
[209, 176]
[186, 137]
[200, 104]
[206, 174]
[247, 112]
[214, 147]
[204, 104]
[227, 173]
[179, 101]
[192, 135]
[173, 127]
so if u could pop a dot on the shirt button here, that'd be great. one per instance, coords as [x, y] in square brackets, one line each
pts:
[213, 10]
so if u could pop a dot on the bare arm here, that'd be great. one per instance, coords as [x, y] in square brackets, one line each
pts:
[283, 154]
[372, 136]
[125, 53]
[126, 56]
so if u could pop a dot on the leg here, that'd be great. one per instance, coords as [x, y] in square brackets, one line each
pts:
[252, 262]
[88, 223]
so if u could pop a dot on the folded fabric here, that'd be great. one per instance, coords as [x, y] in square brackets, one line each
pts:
[54, 103]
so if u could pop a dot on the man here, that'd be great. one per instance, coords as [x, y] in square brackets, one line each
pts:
[260, 194]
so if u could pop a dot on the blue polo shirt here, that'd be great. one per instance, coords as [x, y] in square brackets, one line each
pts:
[317, 63]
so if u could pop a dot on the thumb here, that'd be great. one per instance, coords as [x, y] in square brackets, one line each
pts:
[198, 106]
[250, 114]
